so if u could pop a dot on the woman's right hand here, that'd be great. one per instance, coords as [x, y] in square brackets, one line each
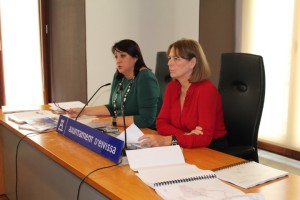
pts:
[197, 131]
[73, 112]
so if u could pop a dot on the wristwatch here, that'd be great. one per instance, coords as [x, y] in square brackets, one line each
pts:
[114, 121]
[174, 140]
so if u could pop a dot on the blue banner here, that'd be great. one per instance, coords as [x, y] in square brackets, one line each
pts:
[95, 140]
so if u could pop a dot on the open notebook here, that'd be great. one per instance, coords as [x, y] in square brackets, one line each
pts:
[204, 189]
[249, 173]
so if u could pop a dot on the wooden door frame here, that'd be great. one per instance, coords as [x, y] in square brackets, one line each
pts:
[2, 88]
[44, 35]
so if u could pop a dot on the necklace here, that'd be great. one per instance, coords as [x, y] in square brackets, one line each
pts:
[119, 91]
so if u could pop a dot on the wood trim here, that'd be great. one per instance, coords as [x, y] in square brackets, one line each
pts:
[2, 190]
[2, 88]
[43, 12]
[2, 102]
[279, 150]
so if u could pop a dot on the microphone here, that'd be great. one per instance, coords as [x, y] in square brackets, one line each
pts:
[107, 84]
[123, 116]
[126, 147]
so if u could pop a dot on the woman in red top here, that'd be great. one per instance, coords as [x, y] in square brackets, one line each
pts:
[191, 114]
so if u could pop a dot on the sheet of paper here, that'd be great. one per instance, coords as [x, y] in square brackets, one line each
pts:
[153, 175]
[133, 133]
[154, 157]
[207, 189]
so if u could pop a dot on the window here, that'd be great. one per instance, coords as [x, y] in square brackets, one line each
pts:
[21, 52]
[268, 28]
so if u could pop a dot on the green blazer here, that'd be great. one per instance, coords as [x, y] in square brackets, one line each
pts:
[143, 101]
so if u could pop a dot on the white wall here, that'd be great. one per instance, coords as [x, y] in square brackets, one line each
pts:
[153, 24]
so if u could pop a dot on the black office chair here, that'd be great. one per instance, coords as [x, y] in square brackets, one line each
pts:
[162, 70]
[242, 87]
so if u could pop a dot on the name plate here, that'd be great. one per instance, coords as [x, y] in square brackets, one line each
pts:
[97, 141]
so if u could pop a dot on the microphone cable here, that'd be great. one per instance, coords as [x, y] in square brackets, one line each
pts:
[17, 151]
[82, 181]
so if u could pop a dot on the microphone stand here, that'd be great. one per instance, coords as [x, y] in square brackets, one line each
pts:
[124, 120]
[124, 123]
[107, 84]
[126, 147]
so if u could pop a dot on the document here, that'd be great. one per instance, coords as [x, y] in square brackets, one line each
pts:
[154, 157]
[205, 189]
[172, 174]
[21, 117]
[249, 174]
[165, 170]
[133, 134]
[40, 124]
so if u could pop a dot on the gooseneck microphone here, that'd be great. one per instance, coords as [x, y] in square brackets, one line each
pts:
[123, 101]
[107, 84]
[126, 147]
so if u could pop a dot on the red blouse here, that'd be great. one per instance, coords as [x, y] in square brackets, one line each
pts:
[202, 107]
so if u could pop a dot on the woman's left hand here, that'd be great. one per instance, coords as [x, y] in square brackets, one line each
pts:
[155, 140]
[197, 131]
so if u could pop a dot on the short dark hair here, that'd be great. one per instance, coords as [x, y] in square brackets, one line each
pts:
[133, 49]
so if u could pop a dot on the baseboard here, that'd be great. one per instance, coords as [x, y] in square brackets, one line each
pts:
[279, 150]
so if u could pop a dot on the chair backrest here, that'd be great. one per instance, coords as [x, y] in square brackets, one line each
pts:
[162, 70]
[242, 86]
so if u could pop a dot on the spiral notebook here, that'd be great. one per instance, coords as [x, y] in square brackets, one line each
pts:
[187, 181]
[172, 174]
[249, 174]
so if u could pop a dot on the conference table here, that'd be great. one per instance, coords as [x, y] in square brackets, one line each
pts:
[51, 166]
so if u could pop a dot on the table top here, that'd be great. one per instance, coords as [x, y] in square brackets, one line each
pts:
[120, 181]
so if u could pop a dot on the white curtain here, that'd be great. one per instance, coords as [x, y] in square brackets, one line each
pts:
[294, 96]
[271, 29]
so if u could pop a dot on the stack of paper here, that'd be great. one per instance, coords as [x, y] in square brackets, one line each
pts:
[155, 157]
[39, 121]
[164, 169]
[40, 124]
[21, 117]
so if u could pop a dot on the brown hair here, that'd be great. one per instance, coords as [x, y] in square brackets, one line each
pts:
[188, 49]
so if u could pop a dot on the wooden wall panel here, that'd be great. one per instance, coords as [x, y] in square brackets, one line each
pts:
[217, 31]
[67, 49]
